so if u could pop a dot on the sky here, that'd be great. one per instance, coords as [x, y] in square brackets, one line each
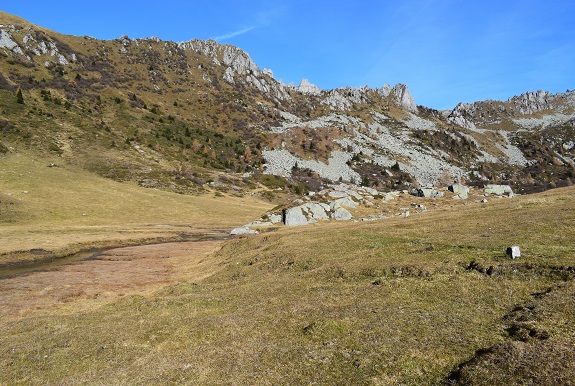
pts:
[445, 51]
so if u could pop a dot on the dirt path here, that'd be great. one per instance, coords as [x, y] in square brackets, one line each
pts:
[113, 274]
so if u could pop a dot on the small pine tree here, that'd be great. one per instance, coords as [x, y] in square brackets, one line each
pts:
[19, 96]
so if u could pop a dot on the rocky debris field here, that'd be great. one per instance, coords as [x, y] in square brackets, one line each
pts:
[347, 202]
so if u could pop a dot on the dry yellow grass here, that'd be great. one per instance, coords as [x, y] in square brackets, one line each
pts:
[54, 208]
[398, 301]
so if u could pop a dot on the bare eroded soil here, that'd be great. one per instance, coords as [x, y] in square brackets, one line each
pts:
[113, 274]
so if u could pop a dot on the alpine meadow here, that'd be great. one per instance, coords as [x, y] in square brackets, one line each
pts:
[172, 214]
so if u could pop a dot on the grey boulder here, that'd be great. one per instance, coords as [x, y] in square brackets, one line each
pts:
[461, 191]
[294, 216]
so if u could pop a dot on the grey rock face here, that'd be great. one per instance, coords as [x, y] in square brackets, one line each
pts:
[460, 116]
[6, 40]
[402, 96]
[294, 216]
[240, 68]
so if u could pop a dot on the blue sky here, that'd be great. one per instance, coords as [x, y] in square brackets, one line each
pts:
[446, 51]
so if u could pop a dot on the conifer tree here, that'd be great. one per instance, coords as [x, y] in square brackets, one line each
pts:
[19, 96]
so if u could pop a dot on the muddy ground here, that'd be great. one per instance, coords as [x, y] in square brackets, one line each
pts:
[112, 274]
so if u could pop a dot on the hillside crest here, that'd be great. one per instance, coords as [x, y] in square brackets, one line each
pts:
[199, 108]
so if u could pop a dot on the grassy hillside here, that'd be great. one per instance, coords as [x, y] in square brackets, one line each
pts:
[399, 301]
[48, 205]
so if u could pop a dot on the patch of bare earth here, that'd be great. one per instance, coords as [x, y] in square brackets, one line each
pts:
[113, 274]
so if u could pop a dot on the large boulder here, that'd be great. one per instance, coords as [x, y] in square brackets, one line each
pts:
[340, 214]
[275, 218]
[316, 211]
[345, 201]
[461, 191]
[294, 216]
[429, 193]
[498, 190]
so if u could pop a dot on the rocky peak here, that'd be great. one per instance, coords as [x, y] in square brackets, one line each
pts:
[343, 98]
[239, 67]
[402, 96]
[461, 115]
[384, 91]
[224, 54]
[305, 87]
[480, 115]
[533, 101]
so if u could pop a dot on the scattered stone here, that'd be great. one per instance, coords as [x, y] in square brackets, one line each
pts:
[371, 191]
[484, 200]
[513, 252]
[243, 231]
[275, 218]
[258, 223]
[420, 207]
[390, 196]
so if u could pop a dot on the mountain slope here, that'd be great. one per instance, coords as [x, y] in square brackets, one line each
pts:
[177, 115]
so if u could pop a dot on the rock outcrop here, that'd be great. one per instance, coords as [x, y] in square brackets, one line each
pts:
[403, 97]
[305, 87]
[531, 102]
[239, 67]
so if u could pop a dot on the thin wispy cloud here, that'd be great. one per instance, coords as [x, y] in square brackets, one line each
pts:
[234, 34]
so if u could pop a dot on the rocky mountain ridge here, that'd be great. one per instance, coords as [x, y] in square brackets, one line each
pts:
[197, 108]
